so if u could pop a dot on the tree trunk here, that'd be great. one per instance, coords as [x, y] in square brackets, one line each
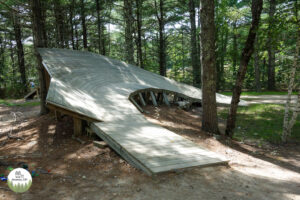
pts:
[289, 123]
[2, 61]
[221, 60]
[39, 42]
[129, 48]
[256, 9]
[59, 21]
[84, 32]
[12, 63]
[139, 33]
[71, 23]
[20, 50]
[235, 50]
[194, 52]
[76, 36]
[209, 118]
[256, 66]
[271, 50]
[100, 27]
[160, 15]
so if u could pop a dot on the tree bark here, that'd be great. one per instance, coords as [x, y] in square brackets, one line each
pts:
[139, 33]
[289, 123]
[129, 48]
[20, 50]
[256, 9]
[100, 27]
[256, 66]
[83, 23]
[209, 118]
[2, 59]
[71, 8]
[235, 50]
[59, 21]
[194, 51]
[39, 42]
[160, 15]
[271, 50]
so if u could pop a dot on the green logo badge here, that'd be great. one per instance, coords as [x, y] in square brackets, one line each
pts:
[19, 180]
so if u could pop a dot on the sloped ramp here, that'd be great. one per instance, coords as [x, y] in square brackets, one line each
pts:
[100, 88]
[152, 148]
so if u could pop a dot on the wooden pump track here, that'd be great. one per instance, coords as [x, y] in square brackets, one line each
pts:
[112, 92]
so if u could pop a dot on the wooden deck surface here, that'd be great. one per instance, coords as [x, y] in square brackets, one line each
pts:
[100, 88]
[152, 148]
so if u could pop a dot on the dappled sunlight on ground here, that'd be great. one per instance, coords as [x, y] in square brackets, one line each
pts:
[83, 171]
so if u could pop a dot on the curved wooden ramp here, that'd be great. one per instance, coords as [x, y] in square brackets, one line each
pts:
[100, 88]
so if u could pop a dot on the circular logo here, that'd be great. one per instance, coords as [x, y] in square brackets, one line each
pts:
[19, 180]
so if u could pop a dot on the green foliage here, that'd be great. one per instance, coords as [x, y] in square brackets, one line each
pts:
[261, 122]
[253, 93]
[8, 102]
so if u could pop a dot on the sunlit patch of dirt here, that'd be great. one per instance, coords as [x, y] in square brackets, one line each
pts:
[83, 171]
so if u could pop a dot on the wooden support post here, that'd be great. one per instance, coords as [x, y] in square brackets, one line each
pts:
[77, 126]
[175, 98]
[136, 104]
[142, 99]
[153, 99]
[165, 98]
[58, 115]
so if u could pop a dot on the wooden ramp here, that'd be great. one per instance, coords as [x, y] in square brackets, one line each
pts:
[152, 148]
[95, 87]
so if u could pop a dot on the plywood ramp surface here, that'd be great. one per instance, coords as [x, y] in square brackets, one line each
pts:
[99, 87]
[152, 148]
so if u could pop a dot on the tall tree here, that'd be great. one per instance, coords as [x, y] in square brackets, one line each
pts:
[39, 42]
[139, 33]
[20, 49]
[83, 24]
[256, 9]
[288, 122]
[209, 118]
[194, 52]
[129, 48]
[271, 49]
[256, 66]
[71, 21]
[160, 15]
[100, 27]
[59, 23]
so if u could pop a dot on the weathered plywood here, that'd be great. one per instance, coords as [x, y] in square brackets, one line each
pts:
[153, 148]
[101, 90]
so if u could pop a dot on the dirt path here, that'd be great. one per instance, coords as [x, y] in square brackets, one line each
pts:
[274, 99]
[82, 171]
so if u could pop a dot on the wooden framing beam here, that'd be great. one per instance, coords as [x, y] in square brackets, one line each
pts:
[153, 99]
[165, 99]
[142, 99]
[77, 126]
[71, 113]
[136, 104]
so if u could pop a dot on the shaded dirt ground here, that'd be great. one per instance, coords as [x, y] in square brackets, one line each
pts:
[82, 171]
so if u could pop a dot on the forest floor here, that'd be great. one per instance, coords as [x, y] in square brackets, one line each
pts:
[83, 171]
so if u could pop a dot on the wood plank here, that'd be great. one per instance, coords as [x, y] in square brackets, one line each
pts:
[165, 98]
[70, 113]
[77, 126]
[186, 165]
[142, 99]
[153, 99]
[137, 105]
[123, 152]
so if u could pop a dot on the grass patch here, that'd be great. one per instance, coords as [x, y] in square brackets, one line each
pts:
[261, 122]
[9, 103]
[253, 93]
